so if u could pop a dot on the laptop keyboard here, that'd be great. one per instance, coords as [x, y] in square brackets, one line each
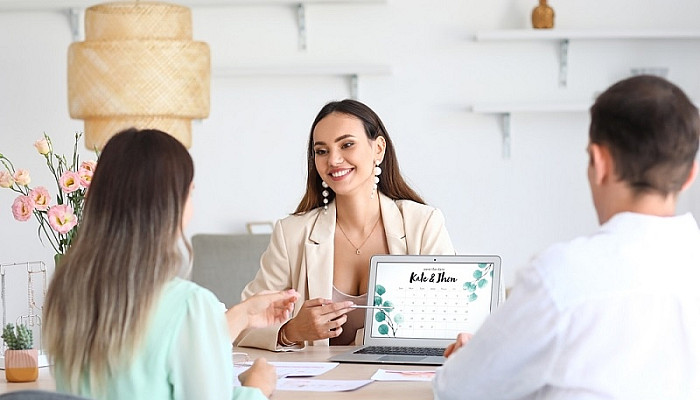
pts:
[412, 351]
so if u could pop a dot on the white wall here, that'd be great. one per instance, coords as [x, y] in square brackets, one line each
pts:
[249, 153]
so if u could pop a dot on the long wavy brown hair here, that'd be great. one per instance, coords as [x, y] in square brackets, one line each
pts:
[391, 182]
[103, 292]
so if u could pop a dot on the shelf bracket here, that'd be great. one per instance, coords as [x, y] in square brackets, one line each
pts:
[301, 25]
[505, 126]
[563, 62]
[75, 19]
[353, 86]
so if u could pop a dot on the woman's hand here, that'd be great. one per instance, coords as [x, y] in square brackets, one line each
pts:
[462, 339]
[261, 375]
[317, 319]
[263, 309]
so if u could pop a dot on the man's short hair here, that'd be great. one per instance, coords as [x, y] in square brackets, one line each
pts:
[652, 131]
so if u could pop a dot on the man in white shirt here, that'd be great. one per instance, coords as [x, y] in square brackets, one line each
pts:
[613, 315]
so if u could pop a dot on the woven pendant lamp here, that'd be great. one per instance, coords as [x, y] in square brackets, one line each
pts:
[138, 67]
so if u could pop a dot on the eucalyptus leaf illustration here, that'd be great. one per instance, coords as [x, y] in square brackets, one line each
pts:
[480, 280]
[389, 326]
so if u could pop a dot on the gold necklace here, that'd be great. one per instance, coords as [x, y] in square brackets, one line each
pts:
[357, 248]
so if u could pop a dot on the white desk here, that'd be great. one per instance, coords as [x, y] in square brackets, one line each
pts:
[375, 390]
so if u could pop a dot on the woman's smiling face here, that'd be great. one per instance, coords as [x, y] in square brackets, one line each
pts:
[344, 156]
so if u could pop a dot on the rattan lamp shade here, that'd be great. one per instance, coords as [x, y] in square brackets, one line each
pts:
[138, 67]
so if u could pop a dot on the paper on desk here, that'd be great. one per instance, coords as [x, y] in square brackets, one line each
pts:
[394, 375]
[287, 369]
[319, 385]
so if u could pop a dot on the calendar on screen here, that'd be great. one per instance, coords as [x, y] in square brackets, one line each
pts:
[430, 300]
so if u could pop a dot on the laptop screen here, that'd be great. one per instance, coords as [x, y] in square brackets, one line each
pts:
[431, 297]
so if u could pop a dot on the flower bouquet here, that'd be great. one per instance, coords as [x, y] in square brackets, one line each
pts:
[59, 221]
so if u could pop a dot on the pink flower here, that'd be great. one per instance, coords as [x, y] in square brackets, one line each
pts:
[62, 219]
[6, 180]
[22, 208]
[42, 146]
[41, 198]
[88, 165]
[69, 181]
[22, 177]
[85, 176]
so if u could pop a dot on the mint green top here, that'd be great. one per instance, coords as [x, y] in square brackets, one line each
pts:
[186, 354]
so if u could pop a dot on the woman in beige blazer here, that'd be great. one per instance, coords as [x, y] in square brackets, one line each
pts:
[353, 184]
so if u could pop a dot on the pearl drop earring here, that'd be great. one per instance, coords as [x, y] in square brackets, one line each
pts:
[377, 172]
[325, 196]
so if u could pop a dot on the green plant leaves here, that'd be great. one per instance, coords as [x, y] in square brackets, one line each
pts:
[472, 297]
[380, 290]
[389, 304]
[383, 329]
[17, 338]
[377, 300]
[478, 274]
[379, 317]
[482, 283]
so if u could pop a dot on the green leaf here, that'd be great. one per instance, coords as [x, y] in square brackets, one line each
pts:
[482, 265]
[389, 304]
[380, 316]
[482, 283]
[383, 329]
[472, 297]
[398, 318]
[380, 290]
[377, 300]
[478, 274]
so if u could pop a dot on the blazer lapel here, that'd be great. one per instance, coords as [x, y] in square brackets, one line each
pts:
[318, 254]
[393, 225]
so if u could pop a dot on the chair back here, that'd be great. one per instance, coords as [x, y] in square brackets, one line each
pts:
[225, 263]
[33, 394]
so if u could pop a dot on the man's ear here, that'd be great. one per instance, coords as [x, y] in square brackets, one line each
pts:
[691, 176]
[601, 162]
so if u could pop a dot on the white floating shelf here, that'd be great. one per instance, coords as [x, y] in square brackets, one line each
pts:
[507, 108]
[504, 111]
[351, 72]
[564, 36]
[39, 5]
[587, 34]
[75, 9]
[302, 70]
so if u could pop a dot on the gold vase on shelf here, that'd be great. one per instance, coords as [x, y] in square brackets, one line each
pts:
[543, 16]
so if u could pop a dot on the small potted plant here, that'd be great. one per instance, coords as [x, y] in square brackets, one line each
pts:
[21, 360]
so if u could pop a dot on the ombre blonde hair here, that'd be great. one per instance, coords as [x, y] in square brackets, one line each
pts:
[104, 291]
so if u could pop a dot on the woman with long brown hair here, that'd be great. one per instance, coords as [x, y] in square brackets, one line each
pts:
[119, 321]
[356, 205]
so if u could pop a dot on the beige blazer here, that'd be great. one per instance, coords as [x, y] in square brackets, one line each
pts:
[300, 255]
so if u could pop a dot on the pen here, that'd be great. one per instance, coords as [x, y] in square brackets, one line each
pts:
[380, 307]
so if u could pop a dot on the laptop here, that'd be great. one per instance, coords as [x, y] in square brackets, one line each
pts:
[425, 302]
